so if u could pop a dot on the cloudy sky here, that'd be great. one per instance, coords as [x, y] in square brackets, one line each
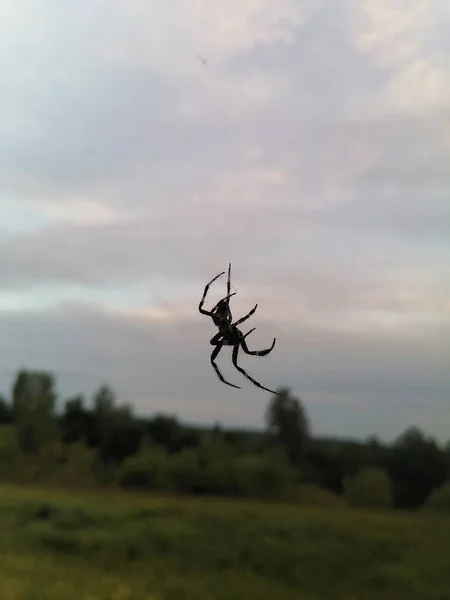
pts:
[144, 145]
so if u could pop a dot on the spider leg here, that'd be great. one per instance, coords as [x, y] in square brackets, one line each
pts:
[207, 286]
[217, 312]
[264, 352]
[215, 352]
[216, 339]
[247, 316]
[241, 370]
[248, 333]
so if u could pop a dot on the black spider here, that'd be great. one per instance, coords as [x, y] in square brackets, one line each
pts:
[229, 334]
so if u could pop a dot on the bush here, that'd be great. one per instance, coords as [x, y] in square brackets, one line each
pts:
[369, 488]
[11, 456]
[218, 461]
[185, 472]
[439, 499]
[264, 476]
[313, 495]
[220, 476]
[147, 470]
[76, 468]
[53, 462]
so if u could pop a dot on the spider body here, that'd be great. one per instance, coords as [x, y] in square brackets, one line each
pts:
[221, 314]
[229, 334]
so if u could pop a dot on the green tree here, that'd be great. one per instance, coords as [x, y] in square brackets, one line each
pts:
[104, 401]
[165, 430]
[75, 420]
[11, 456]
[121, 435]
[416, 466]
[34, 399]
[112, 428]
[287, 422]
[447, 448]
[6, 413]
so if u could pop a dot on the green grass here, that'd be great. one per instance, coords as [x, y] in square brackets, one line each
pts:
[112, 546]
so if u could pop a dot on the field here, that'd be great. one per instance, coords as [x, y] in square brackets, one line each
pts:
[112, 546]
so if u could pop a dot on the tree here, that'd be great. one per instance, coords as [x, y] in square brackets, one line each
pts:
[114, 430]
[6, 412]
[447, 448]
[99, 418]
[104, 400]
[34, 400]
[75, 420]
[416, 466]
[165, 430]
[288, 423]
[121, 437]
[324, 467]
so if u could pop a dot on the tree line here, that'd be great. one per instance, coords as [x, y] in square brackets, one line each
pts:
[102, 442]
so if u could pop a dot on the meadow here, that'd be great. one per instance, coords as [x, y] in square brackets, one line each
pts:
[111, 545]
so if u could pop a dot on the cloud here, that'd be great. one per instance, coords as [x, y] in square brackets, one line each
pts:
[342, 292]
[152, 362]
[82, 212]
[311, 150]
[398, 37]
[392, 32]
[419, 86]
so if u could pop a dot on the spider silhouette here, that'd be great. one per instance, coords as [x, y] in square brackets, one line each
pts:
[229, 334]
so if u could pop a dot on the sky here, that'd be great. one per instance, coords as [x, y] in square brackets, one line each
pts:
[145, 145]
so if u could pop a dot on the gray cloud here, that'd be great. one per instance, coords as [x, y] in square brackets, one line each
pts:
[311, 151]
[165, 366]
[307, 285]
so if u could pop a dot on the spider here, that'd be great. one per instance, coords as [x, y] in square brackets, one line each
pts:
[229, 334]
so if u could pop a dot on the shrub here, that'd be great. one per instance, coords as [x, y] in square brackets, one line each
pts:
[146, 470]
[185, 472]
[264, 476]
[76, 469]
[439, 499]
[369, 488]
[220, 476]
[11, 456]
[313, 495]
[218, 460]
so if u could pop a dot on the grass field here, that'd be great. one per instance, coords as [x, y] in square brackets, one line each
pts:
[77, 546]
